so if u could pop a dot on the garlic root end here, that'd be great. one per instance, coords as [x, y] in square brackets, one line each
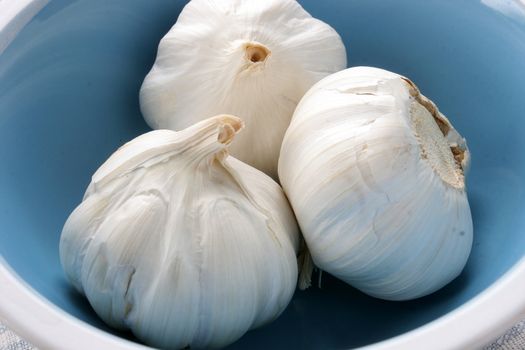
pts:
[434, 145]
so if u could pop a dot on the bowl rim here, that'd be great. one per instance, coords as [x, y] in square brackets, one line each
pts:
[14, 15]
[36, 319]
[472, 325]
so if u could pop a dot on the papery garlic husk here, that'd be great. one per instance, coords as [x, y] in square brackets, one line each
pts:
[180, 243]
[253, 59]
[375, 175]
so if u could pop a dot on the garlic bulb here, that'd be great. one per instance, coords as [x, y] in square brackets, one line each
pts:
[180, 243]
[254, 59]
[375, 175]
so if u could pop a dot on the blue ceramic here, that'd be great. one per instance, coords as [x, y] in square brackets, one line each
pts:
[69, 87]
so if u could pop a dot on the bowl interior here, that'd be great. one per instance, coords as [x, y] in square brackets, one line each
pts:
[69, 97]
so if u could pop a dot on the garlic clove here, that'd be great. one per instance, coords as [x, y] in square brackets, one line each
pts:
[180, 243]
[375, 175]
[254, 59]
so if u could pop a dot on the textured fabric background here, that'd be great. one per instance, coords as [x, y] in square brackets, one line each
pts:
[513, 339]
[10, 341]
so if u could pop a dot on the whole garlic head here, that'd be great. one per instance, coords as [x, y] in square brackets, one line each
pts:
[254, 59]
[375, 175]
[180, 243]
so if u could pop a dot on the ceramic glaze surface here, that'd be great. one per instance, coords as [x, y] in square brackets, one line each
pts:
[69, 97]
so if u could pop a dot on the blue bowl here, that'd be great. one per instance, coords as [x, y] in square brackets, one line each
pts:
[69, 86]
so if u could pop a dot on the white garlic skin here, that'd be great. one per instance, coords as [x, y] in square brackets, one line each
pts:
[180, 243]
[205, 66]
[376, 190]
